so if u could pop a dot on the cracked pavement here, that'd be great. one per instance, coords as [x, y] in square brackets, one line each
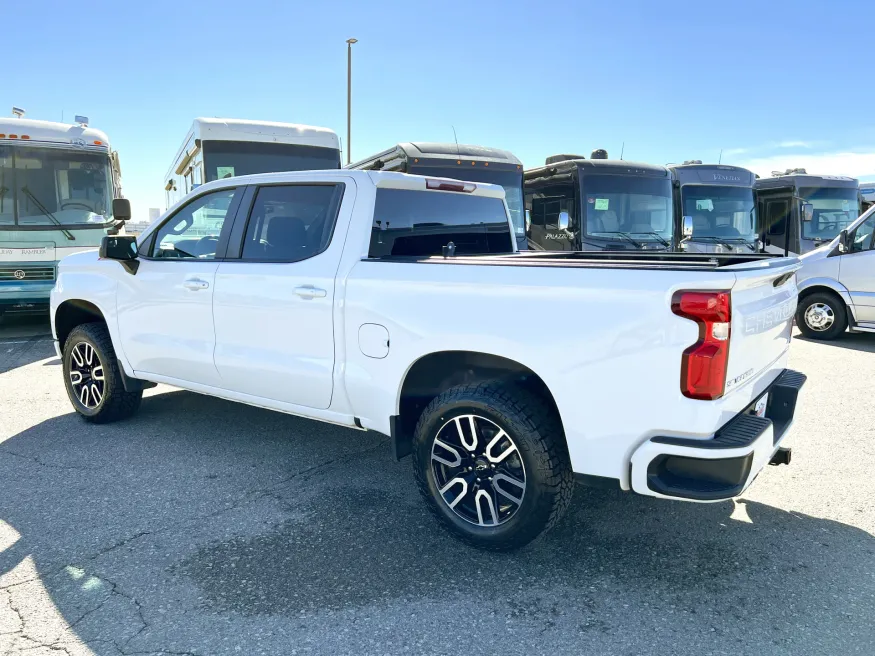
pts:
[204, 527]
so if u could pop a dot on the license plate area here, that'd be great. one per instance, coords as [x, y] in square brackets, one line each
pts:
[761, 405]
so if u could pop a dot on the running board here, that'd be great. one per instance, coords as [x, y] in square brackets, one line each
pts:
[863, 328]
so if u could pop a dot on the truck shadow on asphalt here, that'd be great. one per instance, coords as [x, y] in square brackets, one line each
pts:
[198, 510]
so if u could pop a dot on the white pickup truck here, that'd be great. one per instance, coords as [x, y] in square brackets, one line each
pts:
[396, 303]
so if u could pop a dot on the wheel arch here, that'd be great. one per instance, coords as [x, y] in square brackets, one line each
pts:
[74, 312]
[828, 286]
[433, 373]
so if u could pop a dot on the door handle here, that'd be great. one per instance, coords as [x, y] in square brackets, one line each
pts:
[194, 284]
[310, 292]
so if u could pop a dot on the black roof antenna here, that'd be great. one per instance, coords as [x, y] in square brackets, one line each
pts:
[458, 154]
[622, 148]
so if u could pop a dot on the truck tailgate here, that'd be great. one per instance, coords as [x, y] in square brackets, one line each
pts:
[763, 304]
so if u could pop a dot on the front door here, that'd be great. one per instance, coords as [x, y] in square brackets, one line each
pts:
[857, 271]
[777, 226]
[274, 298]
[165, 310]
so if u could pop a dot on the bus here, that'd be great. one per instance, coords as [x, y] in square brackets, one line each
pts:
[57, 184]
[578, 204]
[720, 201]
[800, 212]
[459, 162]
[217, 148]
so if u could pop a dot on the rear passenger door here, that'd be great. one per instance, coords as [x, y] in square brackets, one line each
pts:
[273, 304]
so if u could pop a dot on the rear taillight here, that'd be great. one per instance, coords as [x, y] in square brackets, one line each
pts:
[703, 366]
[446, 185]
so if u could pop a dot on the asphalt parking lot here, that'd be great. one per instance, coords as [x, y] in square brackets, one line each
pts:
[206, 527]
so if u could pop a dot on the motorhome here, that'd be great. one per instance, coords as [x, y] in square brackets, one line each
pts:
[460, 162]
[57, 183]
[578, 204]
[800, 212]
[217, 148]
[719, 199]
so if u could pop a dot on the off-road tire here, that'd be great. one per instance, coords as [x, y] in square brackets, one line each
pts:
[116, 403]
[534, 427]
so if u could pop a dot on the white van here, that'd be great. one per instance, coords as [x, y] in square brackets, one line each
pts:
[837, 283]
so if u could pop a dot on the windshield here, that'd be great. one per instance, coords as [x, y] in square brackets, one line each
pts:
[51, 186]
[835, 208]
[511, 181]
[727, 213]
[617, 206]
[227, 159]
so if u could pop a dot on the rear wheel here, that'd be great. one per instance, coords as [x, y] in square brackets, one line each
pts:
[491, 462]
[822, 316]
[93, 378]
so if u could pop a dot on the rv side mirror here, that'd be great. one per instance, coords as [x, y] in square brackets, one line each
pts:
[121, 209]
[563, 220]
[687, 227]
[807, 212]
[118, 248]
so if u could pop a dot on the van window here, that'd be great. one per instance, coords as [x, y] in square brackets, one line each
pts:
[863, 235]
[409, 222]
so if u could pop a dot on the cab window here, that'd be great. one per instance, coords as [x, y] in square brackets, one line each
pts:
[193, 232]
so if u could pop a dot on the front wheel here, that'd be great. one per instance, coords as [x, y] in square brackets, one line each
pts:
[93, 378]
[821, 316]
[492, 464]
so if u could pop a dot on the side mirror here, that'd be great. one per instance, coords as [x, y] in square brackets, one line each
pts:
[121, 209]
[844, 242]
[687, 227]
[563, 220]
[122, 248]
[807, 212]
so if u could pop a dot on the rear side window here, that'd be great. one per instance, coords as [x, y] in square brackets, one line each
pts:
[290, 223]
[419, 223]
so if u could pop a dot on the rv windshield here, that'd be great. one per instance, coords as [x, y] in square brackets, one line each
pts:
[228, 159]
[728, 213]
[835, 208]
[42, 187]
[618, 206]
[511, 181]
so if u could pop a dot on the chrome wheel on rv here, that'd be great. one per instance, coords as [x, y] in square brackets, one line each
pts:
[821, 315]
[490, 460]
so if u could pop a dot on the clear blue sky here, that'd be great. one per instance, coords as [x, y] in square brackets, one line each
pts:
[773, 84]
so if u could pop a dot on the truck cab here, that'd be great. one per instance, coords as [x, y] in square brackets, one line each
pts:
[720, 202]
[801, 212]
[598, 204]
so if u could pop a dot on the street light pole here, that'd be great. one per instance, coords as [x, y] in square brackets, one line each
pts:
[349, 43]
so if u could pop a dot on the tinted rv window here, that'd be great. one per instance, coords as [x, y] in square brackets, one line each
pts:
[228, 159]
[419, 223]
